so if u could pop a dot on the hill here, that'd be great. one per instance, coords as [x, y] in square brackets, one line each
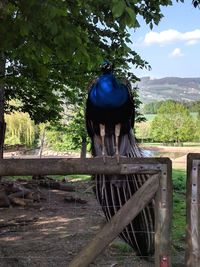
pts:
[181, 89]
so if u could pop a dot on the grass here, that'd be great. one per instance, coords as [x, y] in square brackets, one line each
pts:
[72, 177]
[79, 177]
[179, 207]
[121, 247]
[14, 178]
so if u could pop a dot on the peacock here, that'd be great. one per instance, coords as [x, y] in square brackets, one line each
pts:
[110, 116]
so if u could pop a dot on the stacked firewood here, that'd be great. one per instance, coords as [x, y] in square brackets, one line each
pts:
[28, 192]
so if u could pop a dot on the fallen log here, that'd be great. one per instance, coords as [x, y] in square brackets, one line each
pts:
[21, 194]
[72, 199]
[18, 222]
[13, 193]
[4, 200]
[56, 185]
[20, 201]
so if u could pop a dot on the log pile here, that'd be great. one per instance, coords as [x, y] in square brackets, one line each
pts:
[27, 192]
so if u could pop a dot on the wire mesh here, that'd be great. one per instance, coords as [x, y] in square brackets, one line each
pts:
[51, 231]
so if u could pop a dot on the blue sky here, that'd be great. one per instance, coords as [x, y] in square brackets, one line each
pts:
[173, 47]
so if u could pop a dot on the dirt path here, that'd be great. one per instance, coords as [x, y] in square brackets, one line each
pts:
[51, 233]
[178, 155]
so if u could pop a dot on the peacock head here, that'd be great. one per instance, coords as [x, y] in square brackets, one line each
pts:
[106, 66]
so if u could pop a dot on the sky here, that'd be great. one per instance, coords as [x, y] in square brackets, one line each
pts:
[173, 47]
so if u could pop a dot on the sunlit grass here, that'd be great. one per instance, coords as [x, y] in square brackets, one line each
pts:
[71, 177]
[179, 206]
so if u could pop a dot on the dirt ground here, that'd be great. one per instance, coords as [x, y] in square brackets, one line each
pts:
[52, 232]
[178, 155]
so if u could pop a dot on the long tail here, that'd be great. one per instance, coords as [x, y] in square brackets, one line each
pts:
[113, 191]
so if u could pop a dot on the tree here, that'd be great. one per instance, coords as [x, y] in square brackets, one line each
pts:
[51, 48]
[173, 123]
[20, 129]
[197, 127]
[152, 107]
[143, 130]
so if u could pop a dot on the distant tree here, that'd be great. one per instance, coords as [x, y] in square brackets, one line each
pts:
[143, 130]
[194, 106]
[197, 128]
[20, 129]
[173, 123]
[153, 107]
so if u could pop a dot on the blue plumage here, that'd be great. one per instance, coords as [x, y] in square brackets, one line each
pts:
[107, 92]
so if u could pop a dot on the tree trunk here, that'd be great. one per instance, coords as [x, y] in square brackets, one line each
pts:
[42, 143]
[2, 93]
[83, 147]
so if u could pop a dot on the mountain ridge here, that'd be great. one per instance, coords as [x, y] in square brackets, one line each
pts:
[176, 88]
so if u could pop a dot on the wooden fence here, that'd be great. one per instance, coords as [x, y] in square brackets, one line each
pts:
[159, 185]
[193, 211]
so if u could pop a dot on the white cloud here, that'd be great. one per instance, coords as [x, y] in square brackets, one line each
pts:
[176, 53]
[171, 36]
[192, 42]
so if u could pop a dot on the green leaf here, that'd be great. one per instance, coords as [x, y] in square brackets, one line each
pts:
[118, 8]
[24, 30]
[132, 16]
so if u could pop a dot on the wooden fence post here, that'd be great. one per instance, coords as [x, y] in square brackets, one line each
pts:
[192, 255]
[163, 217]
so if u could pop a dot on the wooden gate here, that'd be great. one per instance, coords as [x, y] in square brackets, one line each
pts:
[193, 211]
[159, 185]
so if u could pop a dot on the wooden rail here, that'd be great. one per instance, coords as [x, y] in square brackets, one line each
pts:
[160, 168]
[62, 166]
[192, 255]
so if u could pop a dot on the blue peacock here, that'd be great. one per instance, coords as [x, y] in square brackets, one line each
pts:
[110, 115]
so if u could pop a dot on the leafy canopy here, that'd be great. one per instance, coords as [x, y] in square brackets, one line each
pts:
[51, 48]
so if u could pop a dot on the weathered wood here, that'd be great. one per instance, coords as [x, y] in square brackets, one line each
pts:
[20, 201]
[21, 194]
[71, 199]
[192, 256]
[52, 166]
[4, 200]
[2, 100]
[18, 222]
[163, 218]
[56, 185]
[18, 194]
[122, 218]
[83, 148]
[42, 143]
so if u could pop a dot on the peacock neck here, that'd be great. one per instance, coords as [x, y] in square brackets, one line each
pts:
[108, 92]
